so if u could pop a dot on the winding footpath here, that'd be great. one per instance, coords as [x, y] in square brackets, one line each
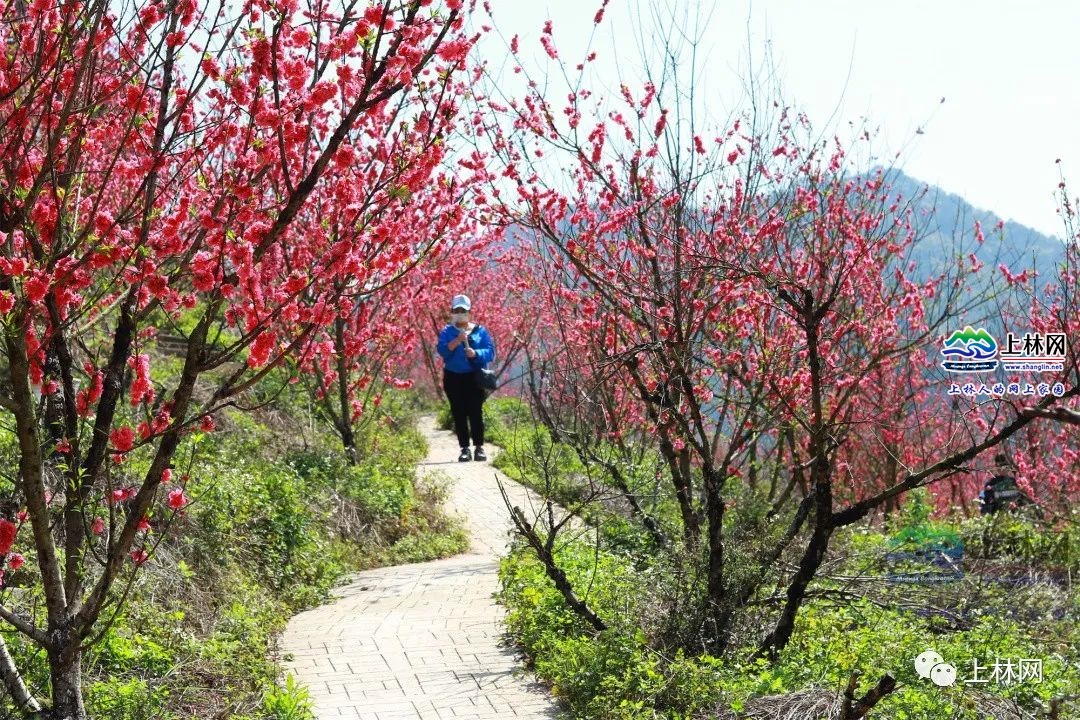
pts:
[424, 640]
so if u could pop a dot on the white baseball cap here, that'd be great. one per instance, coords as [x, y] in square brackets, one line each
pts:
[461, 301]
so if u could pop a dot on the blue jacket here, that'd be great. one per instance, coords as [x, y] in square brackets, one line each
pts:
[455, 360]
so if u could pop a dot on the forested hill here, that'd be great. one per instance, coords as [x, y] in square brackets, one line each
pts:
[946, 223]
[948, 227]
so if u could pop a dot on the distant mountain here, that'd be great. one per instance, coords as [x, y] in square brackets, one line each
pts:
[947, 222]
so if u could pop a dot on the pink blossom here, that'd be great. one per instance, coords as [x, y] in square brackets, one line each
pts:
[661, 123]
[260, 349]
[122, 438]
[549, 47]
[177, 499]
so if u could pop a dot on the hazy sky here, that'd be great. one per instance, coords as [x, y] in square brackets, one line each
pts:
[1010, 81]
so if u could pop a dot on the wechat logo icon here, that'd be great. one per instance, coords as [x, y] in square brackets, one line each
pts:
[931, 665]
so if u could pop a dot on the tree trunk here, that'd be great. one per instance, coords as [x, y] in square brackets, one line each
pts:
[780, 635]
[65, 668]
[716, 615]
[820, 486]
[345, 426]
[348, 442]
[684, 491]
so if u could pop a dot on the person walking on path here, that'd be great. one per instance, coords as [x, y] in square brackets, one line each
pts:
[465, 348]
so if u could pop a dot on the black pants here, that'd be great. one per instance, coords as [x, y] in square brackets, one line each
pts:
[466, 406]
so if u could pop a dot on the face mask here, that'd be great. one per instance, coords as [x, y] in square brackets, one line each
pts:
[458, 317]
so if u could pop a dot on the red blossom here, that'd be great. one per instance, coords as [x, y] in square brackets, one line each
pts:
[453, 52]
[122, 438]
[36, 288]
[296, 281]
[374, 14]
[8, 530]
[661, 123]
[141, 388]
[260, 349]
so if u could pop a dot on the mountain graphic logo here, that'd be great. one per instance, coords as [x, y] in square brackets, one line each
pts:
[970, 350]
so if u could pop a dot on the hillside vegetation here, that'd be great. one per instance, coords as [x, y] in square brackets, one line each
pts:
[870, 614]
[276, 518]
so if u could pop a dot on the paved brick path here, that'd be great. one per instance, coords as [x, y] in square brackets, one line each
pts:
[423, 640]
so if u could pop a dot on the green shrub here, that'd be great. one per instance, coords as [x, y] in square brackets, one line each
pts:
[1016, 537]
[444, 420]
[503, 416]
[125, 649]
[125, 699]
[264, 515]
[289, 702]
[422, 533]
[619, 674]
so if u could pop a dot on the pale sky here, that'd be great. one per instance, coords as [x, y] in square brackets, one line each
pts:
[1010, 81]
